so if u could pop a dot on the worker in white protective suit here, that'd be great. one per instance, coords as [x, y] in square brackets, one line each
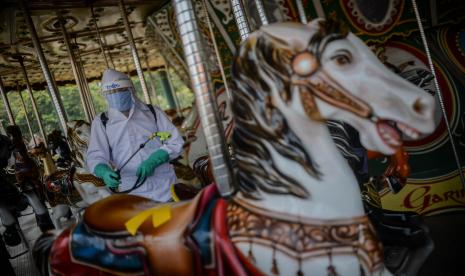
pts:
[117, 134]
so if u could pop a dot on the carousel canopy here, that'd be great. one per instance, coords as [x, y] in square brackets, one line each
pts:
[15, 38]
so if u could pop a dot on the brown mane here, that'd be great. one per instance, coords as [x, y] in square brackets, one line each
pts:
[258, 123]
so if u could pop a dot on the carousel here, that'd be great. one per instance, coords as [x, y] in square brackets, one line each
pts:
[319, 137]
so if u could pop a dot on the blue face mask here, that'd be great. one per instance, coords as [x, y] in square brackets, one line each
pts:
[121, 101]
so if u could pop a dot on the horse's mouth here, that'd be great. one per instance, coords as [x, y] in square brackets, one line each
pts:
[390, 131]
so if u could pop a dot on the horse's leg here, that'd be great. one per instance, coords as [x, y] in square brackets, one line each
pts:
[42, 216]
[61, 211]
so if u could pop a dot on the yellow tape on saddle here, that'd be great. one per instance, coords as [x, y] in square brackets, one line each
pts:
[160, 215]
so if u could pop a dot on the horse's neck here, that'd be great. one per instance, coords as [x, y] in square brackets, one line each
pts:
[82, 151]
[49, 165]
[335, 195]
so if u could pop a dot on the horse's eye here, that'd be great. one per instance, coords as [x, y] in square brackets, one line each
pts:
[342, 59]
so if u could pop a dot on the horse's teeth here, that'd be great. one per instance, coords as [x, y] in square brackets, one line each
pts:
[408, 131]
[389, 139]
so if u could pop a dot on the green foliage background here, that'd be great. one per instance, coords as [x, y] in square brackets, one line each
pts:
[72, 102]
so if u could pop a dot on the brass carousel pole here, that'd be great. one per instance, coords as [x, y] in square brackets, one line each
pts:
[33, 101]
[135, 56]
[11, 118]
[44, 65]
[241, 20]
[28, 122]
[205, 100]
[75, 68]
[438, 92]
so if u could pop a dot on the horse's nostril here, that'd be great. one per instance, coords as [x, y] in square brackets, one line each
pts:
[418, 106]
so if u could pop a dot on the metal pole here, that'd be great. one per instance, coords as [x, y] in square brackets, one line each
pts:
[175, 94]
[301, 10]
[87, 94]
[74, 67]
[167, 42]
[28, 122]
[11, 118]
[109, 54]
[43, 64]
[135, 56]
[151, 80]
[128, 72]
[261, 12]
[33, 101]
[167, 88]
[99, 37]
[205, 100]
[439, 92]
[82, 73]
[215, 46]
[241, 21]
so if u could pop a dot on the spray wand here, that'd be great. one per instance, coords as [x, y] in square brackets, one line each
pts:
[163, 135]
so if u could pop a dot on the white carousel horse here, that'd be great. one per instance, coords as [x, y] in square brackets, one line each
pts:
[289, 169]
[89, 187]
[78, 135]
[297, 207]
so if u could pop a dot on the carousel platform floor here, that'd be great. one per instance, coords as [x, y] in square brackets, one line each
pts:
[23, 265]
[447, 230]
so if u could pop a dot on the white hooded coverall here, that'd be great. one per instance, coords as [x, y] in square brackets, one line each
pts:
[122, 137]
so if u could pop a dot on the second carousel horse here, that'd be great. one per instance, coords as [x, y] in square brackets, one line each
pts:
[59, 189]
[28, 179]
[297, 207]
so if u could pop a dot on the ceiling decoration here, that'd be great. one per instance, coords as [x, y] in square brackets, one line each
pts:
[15, 38]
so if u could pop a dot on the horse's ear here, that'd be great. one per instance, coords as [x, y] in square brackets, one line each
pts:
[315, 23]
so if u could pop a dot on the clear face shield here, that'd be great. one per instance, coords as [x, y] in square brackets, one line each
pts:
[120, 98]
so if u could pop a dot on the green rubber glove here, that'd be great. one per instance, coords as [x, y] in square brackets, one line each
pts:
[109, 176]
[147, 168]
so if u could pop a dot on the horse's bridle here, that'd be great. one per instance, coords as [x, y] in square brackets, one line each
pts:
[76, 137]
[305, 65]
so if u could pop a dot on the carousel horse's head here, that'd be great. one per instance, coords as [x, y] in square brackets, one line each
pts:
[288, 77]
[79, 132]
[78, 137]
